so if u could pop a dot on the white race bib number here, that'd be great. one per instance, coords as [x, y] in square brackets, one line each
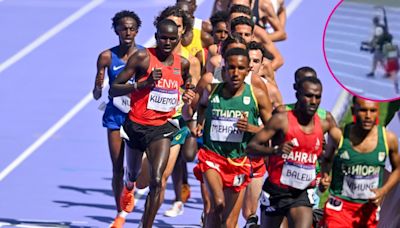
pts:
[297, 175]
[123, 103]
[225, 130]
[163, 100]
[358, 187]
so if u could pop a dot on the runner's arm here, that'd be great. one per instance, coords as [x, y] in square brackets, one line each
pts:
[119, 86]
[394, 177]
[103, 61]
[258, 144]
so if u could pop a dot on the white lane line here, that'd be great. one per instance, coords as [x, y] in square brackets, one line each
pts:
[49, 34]
[347, 63]
[375, 82]
[67, 117]
[43, 138]
[51, 131]
[293, 5]
[350, 53]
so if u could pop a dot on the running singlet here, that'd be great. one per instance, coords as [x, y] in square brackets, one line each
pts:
[153, 106]
[297, 169]
[354, 173]
[116, 66]
[220, 132]
[195, 46]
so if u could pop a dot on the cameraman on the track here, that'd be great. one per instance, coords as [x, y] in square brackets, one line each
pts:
[380, 37]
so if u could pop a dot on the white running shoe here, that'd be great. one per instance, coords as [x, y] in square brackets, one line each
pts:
[176, 209]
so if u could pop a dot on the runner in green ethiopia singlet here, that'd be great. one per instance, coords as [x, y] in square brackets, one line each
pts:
[220, 132]
[359, 172]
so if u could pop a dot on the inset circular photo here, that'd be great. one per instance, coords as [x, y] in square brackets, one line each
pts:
[361, 47]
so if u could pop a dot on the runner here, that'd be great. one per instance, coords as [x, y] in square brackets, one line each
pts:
[126, 25]
[297, 138]
[229, 115]
[357, 187]
[158, 75]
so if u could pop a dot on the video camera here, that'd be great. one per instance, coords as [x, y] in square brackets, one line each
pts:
[366, 46]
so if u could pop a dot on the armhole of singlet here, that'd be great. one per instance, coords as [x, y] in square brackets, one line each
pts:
[383, 129]
[254, 97]
[214, 90]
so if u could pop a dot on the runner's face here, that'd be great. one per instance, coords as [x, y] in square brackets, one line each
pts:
[309, 97]
[245, 32]
[126, 30]
[179, 22]
[255, 60]
[167, 38]
[236, 69]
[220, 32]
[366, 113]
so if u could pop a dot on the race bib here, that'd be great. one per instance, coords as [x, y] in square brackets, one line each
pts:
[238, 180]
[123, 103]
[163, 100]
[297, 175]
[225, 130]
[358, 187]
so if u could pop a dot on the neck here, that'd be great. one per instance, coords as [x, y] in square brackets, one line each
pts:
[163, 57]
[361, 133]
[303, 118]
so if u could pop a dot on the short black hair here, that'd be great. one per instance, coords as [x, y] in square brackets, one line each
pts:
[237, 51]
[125, 13]
[253, 45]
[312, 80]
[233, 38]
[220, 16]
[177, 12]
[299, 73]
[165, 22]
[240, 9]
[242, 20]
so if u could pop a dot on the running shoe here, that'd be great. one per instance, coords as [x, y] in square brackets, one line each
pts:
[252, 222]
[371, 74]
[176, 209]
[185, 193]
[118, 222]
[127, 200]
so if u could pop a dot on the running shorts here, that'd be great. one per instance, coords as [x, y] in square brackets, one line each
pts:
[235, 172]
[342, 213]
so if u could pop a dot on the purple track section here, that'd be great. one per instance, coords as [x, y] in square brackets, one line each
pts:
[67, 181]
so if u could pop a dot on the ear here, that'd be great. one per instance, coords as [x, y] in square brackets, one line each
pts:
[294, 86]
[297, 95]
[155, 35]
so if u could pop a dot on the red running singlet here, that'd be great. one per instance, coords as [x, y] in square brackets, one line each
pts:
[297, 169]
[153, 106]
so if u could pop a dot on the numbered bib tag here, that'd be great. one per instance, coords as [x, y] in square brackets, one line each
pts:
[123, 103]
[238, 180]
[297, 175]
[358, 187]
[224, 130]
[163, 100]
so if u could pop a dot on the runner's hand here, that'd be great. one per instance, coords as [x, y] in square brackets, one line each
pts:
[325, 182]
[97, 92]
[377, 199]
[155, 75]
[197, 131]
[286, 147]
[243, 123]
[189, 94]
